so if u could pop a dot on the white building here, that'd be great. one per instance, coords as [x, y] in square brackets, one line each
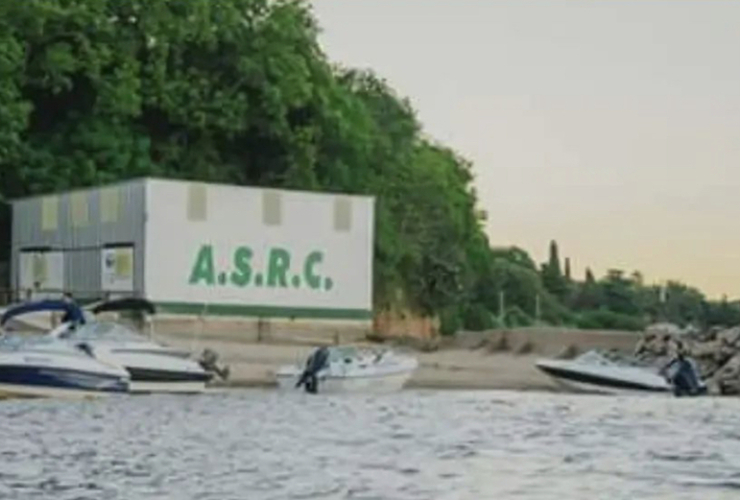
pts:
[194, 248]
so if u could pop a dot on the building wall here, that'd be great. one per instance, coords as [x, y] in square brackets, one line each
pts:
[64, 236]
[227, 250]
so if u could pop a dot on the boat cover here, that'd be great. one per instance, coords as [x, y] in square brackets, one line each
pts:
[71, 311]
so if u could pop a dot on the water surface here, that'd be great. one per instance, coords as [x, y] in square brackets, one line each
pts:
[413, 445]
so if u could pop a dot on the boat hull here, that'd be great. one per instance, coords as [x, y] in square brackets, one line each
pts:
[581, 378]
[155, 371]
[378, 384]
[44, 381]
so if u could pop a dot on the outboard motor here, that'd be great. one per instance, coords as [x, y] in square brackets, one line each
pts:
[684, 377]
[315, 363]
[209, 362]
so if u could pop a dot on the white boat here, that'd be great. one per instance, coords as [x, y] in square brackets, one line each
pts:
[595, 372]
[44, 367]
[348, 369]
[153, 367]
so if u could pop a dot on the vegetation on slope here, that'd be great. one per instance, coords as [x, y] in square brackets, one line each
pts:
[239, 91]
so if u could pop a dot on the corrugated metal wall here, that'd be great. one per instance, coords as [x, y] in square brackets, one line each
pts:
[81, 223]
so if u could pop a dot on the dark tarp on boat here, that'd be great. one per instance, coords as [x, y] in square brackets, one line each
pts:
[125, 304]
[72, 313]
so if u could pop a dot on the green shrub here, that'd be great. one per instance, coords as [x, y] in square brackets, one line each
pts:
[450, 321]
[478, 318]
[515, 317]
[608, 320]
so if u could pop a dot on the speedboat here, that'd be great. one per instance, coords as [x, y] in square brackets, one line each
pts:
[340, 369]
[597, 372]
[44, 367]
[153, 367]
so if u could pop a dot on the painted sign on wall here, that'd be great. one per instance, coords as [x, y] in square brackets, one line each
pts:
[283, 270]
[255, 248]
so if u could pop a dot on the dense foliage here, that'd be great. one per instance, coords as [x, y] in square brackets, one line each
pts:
[239, 91]
[616, 301]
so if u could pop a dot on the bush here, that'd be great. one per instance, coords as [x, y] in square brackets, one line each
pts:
[450, 321]
[478, 318]
[608, 320]
[515, 317]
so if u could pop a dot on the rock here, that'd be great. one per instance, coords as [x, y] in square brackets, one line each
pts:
[730, 337]
[653, 344]
[660, 329]
[716, 351]
[727, 377]
[705, 349]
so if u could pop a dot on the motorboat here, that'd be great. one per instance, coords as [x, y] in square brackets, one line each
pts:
[45, 367]
[339, 369]
[610, 373]
[152, 366]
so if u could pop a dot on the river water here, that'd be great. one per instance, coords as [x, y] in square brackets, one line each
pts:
[413, 445]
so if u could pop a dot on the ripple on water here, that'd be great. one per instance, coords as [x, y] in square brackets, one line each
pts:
[412, 445]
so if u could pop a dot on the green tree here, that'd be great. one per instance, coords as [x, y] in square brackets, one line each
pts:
[514, 255]
[552, 275]
[239, 91]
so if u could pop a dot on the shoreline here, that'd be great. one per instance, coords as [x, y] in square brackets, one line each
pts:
[492, 360]
[253, 365]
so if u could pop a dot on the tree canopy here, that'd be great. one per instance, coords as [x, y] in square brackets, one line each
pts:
[239, 91]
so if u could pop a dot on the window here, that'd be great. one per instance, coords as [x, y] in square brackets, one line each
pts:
[197, 202]
[49, 213]
[271, 208]
[78, 209]
[342, 214]
[109, 205]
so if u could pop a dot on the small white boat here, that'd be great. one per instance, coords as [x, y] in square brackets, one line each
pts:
[594, 372]
[349, 369]
[153, 367]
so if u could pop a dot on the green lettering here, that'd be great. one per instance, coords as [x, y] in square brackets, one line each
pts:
[278, 268]
[242, 262]
[203, 270]
[313, 279]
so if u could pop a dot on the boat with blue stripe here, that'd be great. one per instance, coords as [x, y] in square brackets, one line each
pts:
[47, 367]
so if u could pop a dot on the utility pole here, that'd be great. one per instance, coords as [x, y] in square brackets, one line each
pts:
[662, 298]
[501, 314]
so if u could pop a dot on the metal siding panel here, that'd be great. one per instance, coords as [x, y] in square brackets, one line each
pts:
[82, 273]
[83, 266]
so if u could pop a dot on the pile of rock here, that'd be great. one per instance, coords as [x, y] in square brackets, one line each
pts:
[716, 351]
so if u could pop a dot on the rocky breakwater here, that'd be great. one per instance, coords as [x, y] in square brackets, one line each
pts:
[716, 352]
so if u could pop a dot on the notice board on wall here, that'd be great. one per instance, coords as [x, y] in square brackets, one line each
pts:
[117, 268]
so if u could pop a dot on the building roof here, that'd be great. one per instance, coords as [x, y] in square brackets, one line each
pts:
[141, 180]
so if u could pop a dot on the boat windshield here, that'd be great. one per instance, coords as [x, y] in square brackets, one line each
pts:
[103, 331]
[15, 342]
[342, 353]
[599, 357]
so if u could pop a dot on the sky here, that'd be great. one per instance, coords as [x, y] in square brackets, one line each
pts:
[611, 126]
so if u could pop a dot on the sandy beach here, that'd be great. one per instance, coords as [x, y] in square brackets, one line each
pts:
[475, 361]
[496, 359]
[254, 365]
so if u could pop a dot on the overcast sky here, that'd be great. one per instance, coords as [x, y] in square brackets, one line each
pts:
[611, 126]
